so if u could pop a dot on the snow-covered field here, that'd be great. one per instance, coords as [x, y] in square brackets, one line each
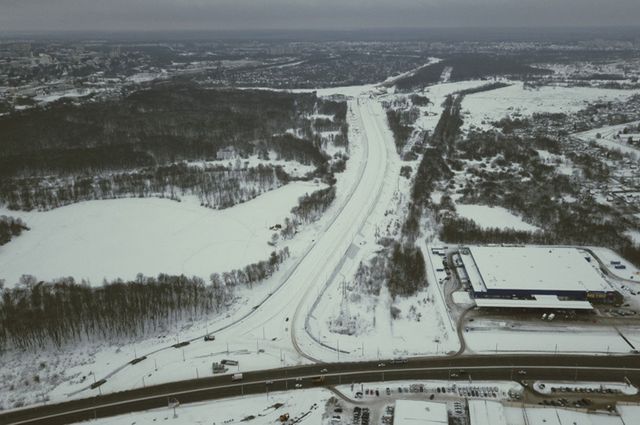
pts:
[123, 237]
[480, 109]
[306, 405]
[486, 216]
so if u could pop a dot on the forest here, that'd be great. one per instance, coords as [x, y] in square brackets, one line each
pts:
[36, 314]
[142, 143]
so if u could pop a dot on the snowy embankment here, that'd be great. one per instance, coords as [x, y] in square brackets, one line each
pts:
[516, 100]
[308, 406]
[120, 238]
[486, 216]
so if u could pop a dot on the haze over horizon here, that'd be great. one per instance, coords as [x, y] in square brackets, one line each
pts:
[226, 15]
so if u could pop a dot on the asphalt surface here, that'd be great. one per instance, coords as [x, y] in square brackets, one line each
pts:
[468, 368]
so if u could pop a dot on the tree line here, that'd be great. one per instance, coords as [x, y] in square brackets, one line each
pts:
[34, 314]
[309, 209]
[216, 186]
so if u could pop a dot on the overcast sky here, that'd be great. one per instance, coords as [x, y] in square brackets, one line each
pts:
[116, 15]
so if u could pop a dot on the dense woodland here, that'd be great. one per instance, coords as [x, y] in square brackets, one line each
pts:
[470, 67]
[140, 144]
[36, 314]
[10, 227]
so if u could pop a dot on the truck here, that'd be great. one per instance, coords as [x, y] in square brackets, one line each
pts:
[236, 377]
[317, 380]
[228, 362]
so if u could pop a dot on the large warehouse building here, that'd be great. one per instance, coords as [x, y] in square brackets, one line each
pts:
[532, 277]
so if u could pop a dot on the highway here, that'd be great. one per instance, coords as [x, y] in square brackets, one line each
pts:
[474, 368]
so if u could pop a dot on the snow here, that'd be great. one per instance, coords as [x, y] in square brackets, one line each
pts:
[486, 216]
[120, 238]
[309, 403]
[483, 108]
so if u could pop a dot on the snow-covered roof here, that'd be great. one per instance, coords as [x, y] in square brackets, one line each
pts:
[629, 413]
[539, 301]
[532, 269]
[484, 412]
[412, 412]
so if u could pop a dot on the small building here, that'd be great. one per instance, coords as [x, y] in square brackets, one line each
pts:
[412, 412]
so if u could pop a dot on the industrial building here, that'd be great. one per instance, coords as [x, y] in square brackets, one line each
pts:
[532, 277]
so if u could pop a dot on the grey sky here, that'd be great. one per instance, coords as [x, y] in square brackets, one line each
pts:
[30, 15]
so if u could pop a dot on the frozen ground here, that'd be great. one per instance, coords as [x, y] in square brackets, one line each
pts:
[120, 238]
[486, 216]
[481, 109]
[485, 337]
[306, 405]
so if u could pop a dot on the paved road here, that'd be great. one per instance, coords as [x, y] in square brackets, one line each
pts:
[361, 207]
[594, 368]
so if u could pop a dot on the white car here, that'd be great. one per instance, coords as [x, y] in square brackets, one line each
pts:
[324, 371]
[298, 385]
[381, 365]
